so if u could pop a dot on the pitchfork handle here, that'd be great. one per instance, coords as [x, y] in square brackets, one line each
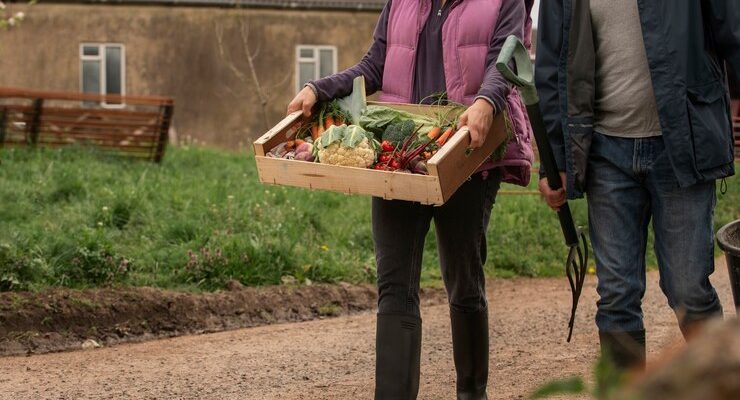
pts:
[514, 51]
[552, 173]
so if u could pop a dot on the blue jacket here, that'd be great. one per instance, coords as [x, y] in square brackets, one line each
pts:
[690, 44]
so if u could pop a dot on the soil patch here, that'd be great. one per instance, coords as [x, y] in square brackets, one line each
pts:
[66, 319]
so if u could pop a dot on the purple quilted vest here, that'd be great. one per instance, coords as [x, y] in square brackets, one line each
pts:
[466, 37]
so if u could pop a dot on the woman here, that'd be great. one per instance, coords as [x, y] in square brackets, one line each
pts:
[422, 47]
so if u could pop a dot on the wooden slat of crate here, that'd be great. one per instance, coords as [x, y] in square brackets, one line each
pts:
[276, 135]
[388, 185]
[452, 161]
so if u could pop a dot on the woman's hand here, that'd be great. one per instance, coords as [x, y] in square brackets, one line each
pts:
[304, 100]
[478, 118]
[553, 198]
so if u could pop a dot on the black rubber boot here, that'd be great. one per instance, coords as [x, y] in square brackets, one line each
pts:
[397, 357]
[470, 349]
[625, 350]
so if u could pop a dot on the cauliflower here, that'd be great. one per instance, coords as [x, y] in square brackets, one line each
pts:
[362, 156]
[349, 146]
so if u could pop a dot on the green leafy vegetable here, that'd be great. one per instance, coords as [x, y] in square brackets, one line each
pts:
[398, 132]
[353, 135]
[331, 135]
[355, 103]
[376, 119]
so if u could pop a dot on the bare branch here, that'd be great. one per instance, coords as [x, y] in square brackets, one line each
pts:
[227, 61]
[244, 31]
[285, 80]
[256, 52]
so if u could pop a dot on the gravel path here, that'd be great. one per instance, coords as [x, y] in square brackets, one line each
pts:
[333, 358]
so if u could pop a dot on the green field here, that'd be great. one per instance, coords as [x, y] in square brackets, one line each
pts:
[75, 218]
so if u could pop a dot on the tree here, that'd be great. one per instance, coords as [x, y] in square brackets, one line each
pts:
[250, 55]
[9, 20]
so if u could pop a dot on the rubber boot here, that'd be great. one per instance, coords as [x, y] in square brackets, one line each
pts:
[625, 350]
[470, 350]
[397, 357]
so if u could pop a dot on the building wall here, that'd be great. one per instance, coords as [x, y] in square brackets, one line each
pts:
[174, 51]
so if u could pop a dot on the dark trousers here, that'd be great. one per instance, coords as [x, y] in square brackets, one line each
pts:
[399, 230]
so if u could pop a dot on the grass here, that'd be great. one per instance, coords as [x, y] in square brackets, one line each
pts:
[75, 218]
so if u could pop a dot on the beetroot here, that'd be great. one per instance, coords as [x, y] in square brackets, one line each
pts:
[304, 156]
[304, 147]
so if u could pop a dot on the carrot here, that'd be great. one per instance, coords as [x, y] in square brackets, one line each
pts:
[338, 121]
[321, 130]
[434, 132]
[315, 131]
[328, 122]
[299, 142]
[443, 139]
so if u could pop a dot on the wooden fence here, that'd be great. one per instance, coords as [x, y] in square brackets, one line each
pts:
[132, 126]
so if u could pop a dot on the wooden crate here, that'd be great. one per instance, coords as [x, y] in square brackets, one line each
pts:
[138, 127]
[448, 169]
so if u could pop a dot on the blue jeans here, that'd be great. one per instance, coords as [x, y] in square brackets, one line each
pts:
[629, 182]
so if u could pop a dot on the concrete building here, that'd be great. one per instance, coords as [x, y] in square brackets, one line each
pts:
[231, 65]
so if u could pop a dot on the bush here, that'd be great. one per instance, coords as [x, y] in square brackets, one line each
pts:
[92, 264]
[20, 270]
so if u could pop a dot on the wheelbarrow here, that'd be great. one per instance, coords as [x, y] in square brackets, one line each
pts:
[577, 262]
[728, 239]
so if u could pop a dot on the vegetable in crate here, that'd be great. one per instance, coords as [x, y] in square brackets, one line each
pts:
[398, 132]
[377, 119]
[349, 146]
[304, 152]
[326, 115]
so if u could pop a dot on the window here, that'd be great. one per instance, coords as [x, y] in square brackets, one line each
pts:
[102, 70]
[314, 62]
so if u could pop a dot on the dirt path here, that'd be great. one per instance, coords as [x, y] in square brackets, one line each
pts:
[333, 358]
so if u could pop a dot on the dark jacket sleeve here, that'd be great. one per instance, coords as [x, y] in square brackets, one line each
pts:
[549, 44]
[724, 22]
[511, 21]
[371, 67]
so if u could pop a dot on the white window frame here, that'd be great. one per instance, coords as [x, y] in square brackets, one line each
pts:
[101, 58]
[316, 59]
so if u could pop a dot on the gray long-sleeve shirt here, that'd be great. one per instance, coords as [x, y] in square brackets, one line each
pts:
[625, 104]
[429, 76]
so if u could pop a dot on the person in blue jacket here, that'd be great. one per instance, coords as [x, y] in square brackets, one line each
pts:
[635, 99]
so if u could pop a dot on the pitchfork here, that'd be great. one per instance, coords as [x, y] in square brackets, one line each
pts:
[577, 261]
